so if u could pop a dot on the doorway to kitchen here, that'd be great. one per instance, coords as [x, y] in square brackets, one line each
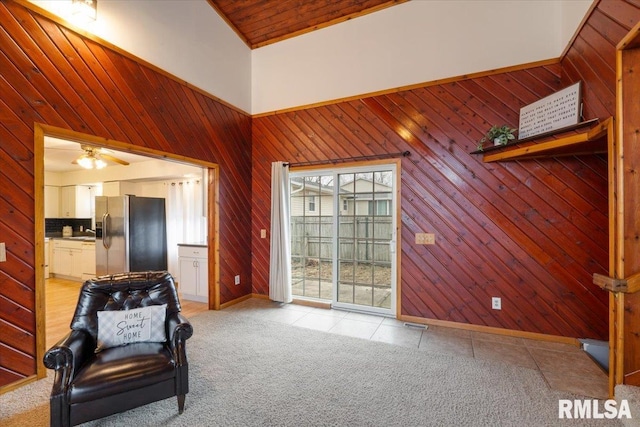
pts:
[169, 159]
[344, 237]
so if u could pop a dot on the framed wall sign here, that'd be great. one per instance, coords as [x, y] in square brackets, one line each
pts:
[556, 111]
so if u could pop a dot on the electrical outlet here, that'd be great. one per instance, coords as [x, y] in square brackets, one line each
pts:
[3, 252]
[425, 239]
[263, 233]
[496, 303]
[237, 279]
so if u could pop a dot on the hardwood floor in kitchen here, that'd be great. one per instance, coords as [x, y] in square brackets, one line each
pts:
[61, 297]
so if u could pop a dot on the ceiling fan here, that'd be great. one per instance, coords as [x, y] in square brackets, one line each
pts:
[96, 158]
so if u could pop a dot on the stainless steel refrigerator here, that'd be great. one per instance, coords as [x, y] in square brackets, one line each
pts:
[131, 234]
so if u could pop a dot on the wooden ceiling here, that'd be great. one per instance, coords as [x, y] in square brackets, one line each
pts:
[263, 22]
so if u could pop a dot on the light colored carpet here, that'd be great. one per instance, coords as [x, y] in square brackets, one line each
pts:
[249, 373]
[632, 395]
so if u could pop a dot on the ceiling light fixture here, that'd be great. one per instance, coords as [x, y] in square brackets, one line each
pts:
[91, 161]
[87, 10]
[96, 158]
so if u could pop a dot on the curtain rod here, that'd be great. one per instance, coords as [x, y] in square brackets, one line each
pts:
[351, 159]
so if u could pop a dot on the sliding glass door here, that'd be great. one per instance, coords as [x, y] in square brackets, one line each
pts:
[343, 237]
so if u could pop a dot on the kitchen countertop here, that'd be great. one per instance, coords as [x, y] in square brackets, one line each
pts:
[75, 238]
[197, 244]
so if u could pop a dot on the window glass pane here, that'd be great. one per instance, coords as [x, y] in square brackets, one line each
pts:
[311, 227]
[346, 250]
[326, 248]
[347, 183]
[346, 229]
[381, 274]
[346, 272]
[382, 297]
[383, 228]
[364, 274]
[363, 295]
[346, 292]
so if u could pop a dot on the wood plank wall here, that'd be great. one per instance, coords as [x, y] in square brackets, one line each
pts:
[49, 74]
[531, 232]
[592, 56]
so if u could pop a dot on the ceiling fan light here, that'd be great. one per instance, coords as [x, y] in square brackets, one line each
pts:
[99, 163]
[86, 161]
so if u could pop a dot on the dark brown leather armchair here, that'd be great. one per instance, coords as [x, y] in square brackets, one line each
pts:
[89, 385]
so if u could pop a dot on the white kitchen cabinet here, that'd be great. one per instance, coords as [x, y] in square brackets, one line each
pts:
[88, 260]
[75, 201]
[47, 258]
[194, 273]
[51, 201]
[67, 259]
[68, 202]
[73, 259]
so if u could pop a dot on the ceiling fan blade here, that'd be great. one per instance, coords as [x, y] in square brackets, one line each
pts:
[114, 159]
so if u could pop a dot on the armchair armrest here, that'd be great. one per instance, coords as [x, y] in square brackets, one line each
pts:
[179, 330]
[67, 356]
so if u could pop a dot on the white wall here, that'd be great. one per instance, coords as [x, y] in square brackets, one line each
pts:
[187, 38]
[572, 13]
[411, 43]
[414, 42]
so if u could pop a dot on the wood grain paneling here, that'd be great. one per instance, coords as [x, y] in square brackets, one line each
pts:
[531, 232]
[262, 22]
[51, 75]
[592, 57]
[626, 348]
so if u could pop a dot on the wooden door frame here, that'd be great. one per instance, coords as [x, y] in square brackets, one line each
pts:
[40, 131]
[624, 201]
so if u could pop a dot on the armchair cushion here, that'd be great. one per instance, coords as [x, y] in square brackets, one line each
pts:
[146, 324]
[119, 369]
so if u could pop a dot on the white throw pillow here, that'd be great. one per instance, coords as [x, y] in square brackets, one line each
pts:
[146, 324]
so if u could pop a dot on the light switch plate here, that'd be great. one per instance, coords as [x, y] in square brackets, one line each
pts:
[425, 239]
[263, 233]
[3, 252]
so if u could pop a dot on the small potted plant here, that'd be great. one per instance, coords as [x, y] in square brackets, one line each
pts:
[499, 135]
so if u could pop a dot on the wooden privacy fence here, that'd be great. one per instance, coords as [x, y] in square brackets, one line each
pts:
[361, 238]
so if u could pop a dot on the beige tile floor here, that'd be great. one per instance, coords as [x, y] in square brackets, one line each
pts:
[564, 367]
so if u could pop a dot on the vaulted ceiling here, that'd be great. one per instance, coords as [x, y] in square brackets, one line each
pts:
[262, 22]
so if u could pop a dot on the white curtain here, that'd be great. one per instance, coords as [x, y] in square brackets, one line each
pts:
[280, 256]
[186, 219]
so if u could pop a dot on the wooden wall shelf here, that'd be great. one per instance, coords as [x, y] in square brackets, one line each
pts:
[590, 141]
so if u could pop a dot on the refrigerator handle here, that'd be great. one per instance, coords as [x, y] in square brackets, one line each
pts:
[106, 236]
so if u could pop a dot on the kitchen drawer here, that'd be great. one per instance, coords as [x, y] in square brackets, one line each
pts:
[193, 251]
